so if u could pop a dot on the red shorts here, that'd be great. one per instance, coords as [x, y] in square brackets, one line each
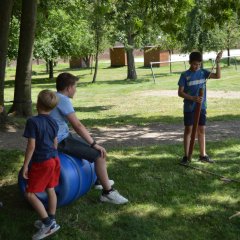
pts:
[43, 175]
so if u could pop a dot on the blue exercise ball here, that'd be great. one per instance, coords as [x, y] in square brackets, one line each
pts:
[76, 179]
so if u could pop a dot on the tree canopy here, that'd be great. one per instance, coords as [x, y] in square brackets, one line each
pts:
[87, 27]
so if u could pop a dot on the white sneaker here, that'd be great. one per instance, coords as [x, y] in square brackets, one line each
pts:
[100, 187]
[46, 231]
[113, 197]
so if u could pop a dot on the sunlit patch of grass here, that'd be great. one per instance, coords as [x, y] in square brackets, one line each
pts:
[113, 100]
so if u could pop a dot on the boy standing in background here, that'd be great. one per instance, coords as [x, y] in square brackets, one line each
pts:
[189, 84]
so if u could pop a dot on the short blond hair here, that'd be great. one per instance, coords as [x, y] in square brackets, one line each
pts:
[47, 100]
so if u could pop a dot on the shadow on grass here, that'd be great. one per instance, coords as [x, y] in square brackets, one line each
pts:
[35, 81]
[10, 162]
[167, 201]
[116, 82]
[14, 213]
[93, 109]
[135, 120]
[162, 75]
[130, 119]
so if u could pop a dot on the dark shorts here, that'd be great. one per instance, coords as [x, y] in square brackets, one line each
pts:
[43, 175]
[189, 118]
[77, 147]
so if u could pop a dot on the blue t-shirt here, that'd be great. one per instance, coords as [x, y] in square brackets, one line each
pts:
[60, 112]
[192, 82]
[43, 129]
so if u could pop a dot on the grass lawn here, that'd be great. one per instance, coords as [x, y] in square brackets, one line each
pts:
[167, 201]
[116, 101]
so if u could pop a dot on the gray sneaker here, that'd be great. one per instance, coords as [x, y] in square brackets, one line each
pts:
[206, 159]
[45, 231]
[113, 197]
[38, 223]
[98, 186]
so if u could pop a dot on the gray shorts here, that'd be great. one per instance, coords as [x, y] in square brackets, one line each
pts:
[77, 147]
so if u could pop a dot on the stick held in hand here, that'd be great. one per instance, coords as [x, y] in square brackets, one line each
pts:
[195, 125]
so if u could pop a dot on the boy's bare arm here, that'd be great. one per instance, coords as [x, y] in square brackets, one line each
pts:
[184, 95]
[83, 132]
[217, 75]
[55, 143]
[79, 128]
[28, 155]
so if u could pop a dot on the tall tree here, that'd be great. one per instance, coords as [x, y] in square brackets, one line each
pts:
[232, 37]
[75, 37]
[99, 26]
[13, 38]
[22, 104]
[221, 11]
[5, 15]
[197, 33]
[137, 18]
[206, 32]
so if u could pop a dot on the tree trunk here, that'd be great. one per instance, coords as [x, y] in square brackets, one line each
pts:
[47, 66]
[201, 51]
[228, 45]
[87, 61]
[95, 68]
[92, 59]
[96, 56]
[170, 59]
[228, 61]
[5, 15]
[22, 104]
[50, 69]
[131, 71]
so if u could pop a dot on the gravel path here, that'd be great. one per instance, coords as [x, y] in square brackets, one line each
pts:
[125, 136]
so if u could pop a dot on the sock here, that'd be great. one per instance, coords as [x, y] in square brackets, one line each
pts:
[51, 216]
[46, 221]
[107, 191]
[97, 182]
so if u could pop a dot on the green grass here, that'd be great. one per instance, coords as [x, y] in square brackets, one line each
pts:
[113, 100]
[167, 201]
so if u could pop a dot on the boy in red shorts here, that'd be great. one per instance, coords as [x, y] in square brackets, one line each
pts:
[43, 172]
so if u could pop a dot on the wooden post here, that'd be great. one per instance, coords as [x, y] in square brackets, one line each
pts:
[195, 125]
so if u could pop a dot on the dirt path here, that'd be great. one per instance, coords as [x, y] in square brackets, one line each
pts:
[124, 136]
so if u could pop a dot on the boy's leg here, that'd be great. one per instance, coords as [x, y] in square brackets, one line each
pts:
[39, 175]
[37, 205]
[53, 182]
[52, 206]
[187, 138]
[201, 138]
[102, 174]
[52, 201]
[188, 123]
[52, 197]
[75, 146]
